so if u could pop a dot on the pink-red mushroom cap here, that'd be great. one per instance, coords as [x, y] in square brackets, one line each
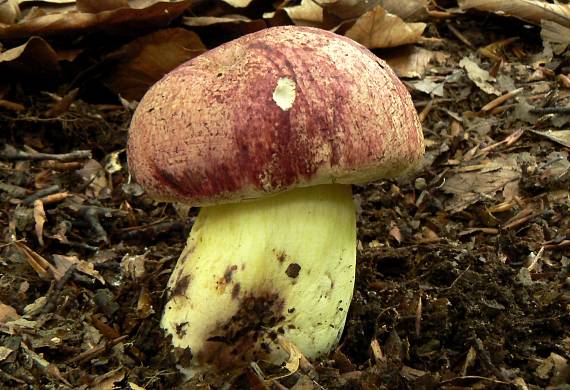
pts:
[280, 108]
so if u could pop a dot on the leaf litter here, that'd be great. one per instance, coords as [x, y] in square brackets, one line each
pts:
[462, 277]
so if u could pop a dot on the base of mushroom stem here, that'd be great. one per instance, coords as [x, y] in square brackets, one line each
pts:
[251, 272]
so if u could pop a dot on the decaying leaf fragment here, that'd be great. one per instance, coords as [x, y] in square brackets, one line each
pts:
[238, 3]
[9, 11]
[380, 29]
[560, 136]
[474, 183]
[308, 13]
[125, 19]
[410, 61]
[33, 57]
[479, 76]
[40, 219]
[556, 34]
[145, 60]
[63, 263]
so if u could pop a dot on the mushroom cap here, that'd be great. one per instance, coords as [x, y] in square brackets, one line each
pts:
[281, 108]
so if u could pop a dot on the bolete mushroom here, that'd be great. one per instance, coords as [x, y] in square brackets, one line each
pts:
[267, 133]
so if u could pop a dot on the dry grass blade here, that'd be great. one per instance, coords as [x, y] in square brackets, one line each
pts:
[529, 10]
[38, 262]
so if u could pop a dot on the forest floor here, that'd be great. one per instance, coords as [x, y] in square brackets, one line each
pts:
[462, 270]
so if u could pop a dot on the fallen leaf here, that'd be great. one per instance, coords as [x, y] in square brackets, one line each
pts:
[560, 136]
[473, 183]
[409, 10]
[40, 219]
[142, 62]
[428, 85]
[556, 34]
[308, 13]
[38, 262]
[479, 76]
[409, 61]
[379, 29]
[112, 162]
[9, 11]
[4, 353]
[63, 263]
[93, 174]
[121, 20]
[96, 6]
[348, 9]
[528, 10]
[238, 3]
[35, 57]
[7, 313]
[198, 21]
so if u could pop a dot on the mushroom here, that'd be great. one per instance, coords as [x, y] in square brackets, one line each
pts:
[267, 133]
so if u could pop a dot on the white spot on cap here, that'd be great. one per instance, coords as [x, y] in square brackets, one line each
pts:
[284, 93]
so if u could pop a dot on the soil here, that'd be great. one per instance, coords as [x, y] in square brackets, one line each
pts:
[458, 285]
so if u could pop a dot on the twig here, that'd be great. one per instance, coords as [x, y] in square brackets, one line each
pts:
[13, 378]
[18, 155]
[472, 377]
[42, 193]
[550, 110]
[501, 99]
[152, 230]
[55, 291]
[91, 215]
[485, 358]
[95, 351]
[460, 36]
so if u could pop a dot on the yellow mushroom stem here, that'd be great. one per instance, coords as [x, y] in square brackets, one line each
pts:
[251, 272]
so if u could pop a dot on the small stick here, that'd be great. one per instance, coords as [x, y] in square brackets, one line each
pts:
[460, 36]
[95, 351]
[550, 110]
[425, 112]
[42, 193]
[64, 157]
[501, 99]
[91, 215]
[54, 198]
[62, 166]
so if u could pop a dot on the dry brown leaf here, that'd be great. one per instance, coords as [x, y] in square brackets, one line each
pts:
[348, 9]
[7, 313]
[409, 61]
[9, 11]
[145, 60]
[560, 136]
[44, 269]
[238, 3]
[379, 29]
[63, 263]
[40, 220]
[107, 381]
[95, 6]
[198, 21]
[409, 10]
[556, 34]
[121, 20]
[473, 183]
[95, 176]
[308, 13]
[479, 76]
[533, 11]
[34, 57]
